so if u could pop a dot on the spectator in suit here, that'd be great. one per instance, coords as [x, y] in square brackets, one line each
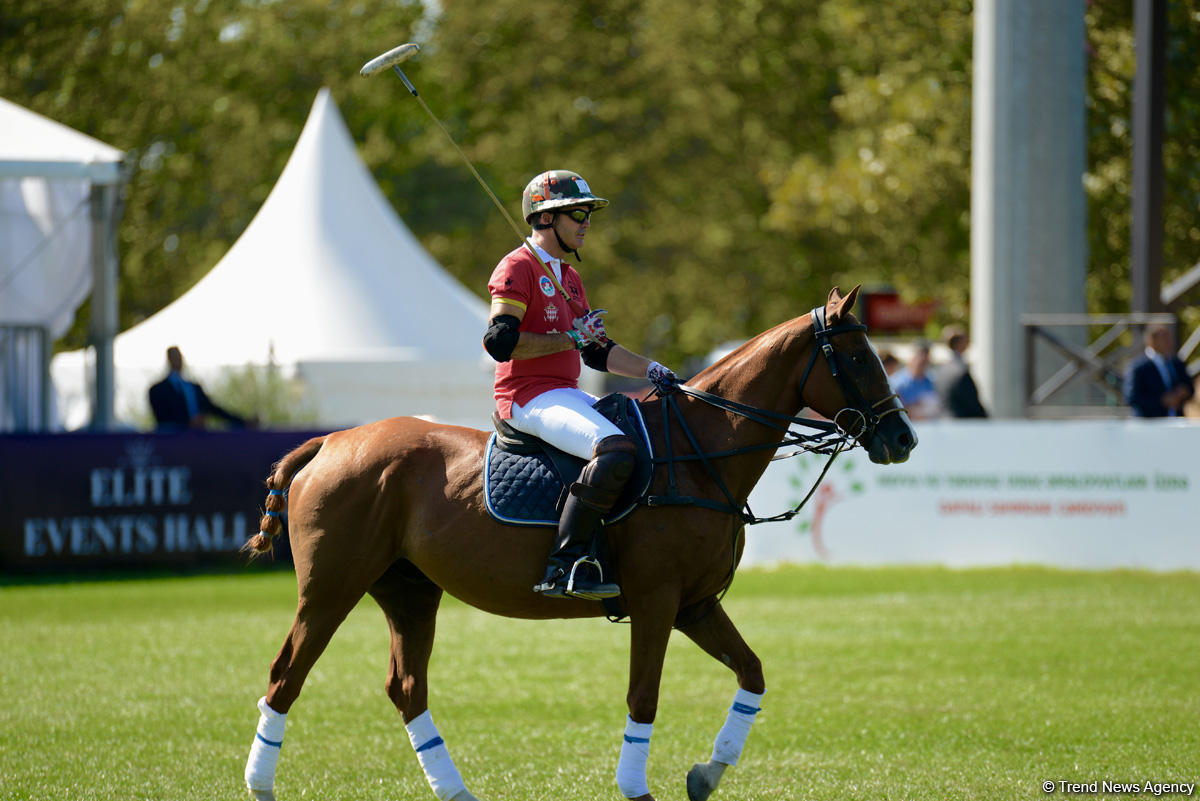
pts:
[1158, 384]
[179, 404]
[956, 388]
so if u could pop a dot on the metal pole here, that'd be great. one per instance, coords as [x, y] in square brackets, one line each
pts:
[103, 327]
[1150, 38]
[44, 346]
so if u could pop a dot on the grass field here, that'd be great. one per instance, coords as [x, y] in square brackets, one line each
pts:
[882, 684]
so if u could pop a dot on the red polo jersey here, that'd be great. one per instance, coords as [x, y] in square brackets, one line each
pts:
[519, 279]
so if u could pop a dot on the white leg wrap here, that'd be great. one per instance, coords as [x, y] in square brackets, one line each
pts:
[732, 737]
[264, 751]
[443, 777]
[635, 752]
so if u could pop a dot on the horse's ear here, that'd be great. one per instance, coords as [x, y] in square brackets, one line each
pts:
[838, 304]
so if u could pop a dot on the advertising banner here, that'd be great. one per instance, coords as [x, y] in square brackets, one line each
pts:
[1094, 494]
[70, 501]
[1086, 494]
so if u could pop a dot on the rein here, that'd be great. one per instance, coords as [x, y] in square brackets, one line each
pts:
[830, 438]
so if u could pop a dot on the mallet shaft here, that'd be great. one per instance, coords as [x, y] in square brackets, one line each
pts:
[392, 58]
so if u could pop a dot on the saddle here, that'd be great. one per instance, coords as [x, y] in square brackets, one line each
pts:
[525, 480]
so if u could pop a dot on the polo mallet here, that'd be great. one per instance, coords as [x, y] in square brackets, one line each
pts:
[392, 58]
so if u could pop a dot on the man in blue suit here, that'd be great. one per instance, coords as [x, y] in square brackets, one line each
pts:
[1158, 384]
[179, 404]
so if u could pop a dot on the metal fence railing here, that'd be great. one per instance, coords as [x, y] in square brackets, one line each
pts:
[1066, 378]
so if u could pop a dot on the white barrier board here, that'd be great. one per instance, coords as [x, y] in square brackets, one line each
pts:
[1088, 494]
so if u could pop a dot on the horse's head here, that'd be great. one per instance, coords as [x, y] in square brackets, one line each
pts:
[845, 381]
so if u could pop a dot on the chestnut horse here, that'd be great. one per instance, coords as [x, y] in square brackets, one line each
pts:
[396, 509]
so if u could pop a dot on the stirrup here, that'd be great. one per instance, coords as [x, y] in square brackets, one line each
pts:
[590, 591]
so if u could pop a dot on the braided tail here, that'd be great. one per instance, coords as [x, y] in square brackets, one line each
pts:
[271, 525]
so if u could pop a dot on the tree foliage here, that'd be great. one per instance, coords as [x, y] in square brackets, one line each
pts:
[207, 97]
[755, 153]
[1110, 145]
[891, 193]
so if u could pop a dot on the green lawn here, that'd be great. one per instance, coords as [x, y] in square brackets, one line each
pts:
[882, 684]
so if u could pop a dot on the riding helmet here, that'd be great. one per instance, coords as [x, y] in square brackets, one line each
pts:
[557, 189]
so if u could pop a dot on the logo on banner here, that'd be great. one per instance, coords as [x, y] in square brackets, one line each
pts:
[832, 490]
[137, 506]
[547, 286]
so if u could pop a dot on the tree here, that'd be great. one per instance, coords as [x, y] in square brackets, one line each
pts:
[891, 194]
[755, 153]
[207, 98]
[1110, 145]
[675, 111]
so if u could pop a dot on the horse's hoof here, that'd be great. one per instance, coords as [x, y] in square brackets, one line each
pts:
[702, 779]
[262, 795]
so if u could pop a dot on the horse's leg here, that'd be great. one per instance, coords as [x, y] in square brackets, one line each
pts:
[650, 629]
[410, 602]
[716, 635]
[326, 596]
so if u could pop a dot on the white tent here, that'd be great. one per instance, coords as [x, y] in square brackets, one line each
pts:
[326, 282]
[58, 215]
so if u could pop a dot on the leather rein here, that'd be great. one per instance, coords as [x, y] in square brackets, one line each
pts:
[829, 439]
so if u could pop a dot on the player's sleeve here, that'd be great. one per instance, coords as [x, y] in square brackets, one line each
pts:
[510, 283]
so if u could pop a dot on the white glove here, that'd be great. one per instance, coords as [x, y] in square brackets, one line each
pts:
[591, 326]
[660, 376]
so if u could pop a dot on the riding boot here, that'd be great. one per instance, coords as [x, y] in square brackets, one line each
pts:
[569, 571]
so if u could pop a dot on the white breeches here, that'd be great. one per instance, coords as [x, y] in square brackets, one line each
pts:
[565, 418]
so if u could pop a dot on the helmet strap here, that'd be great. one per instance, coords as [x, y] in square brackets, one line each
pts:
[563, 244]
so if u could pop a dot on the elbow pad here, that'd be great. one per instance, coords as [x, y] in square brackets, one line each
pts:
[501, 337]
[595, 355]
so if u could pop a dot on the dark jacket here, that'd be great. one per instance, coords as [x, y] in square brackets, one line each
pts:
[169, 403]
[957, 390]
[1144, 385]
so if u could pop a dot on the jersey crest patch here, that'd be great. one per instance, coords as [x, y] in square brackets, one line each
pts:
[546, 285]
[551, 312]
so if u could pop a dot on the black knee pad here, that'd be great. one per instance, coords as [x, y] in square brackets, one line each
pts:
[612, 463]
[618, 465]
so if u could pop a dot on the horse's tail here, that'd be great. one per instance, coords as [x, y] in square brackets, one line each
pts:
[270, 525]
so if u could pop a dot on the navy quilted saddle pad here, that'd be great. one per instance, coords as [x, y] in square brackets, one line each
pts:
[525, 479]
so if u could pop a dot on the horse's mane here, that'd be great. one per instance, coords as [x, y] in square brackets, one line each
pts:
[769, 341]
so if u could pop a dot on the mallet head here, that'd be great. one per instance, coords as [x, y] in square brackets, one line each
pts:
[389, 59]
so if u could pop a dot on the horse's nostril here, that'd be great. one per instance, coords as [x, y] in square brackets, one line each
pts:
[906, 439]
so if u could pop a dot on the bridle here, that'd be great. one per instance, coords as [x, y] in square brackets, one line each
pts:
[869, 414]
[829, 438]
